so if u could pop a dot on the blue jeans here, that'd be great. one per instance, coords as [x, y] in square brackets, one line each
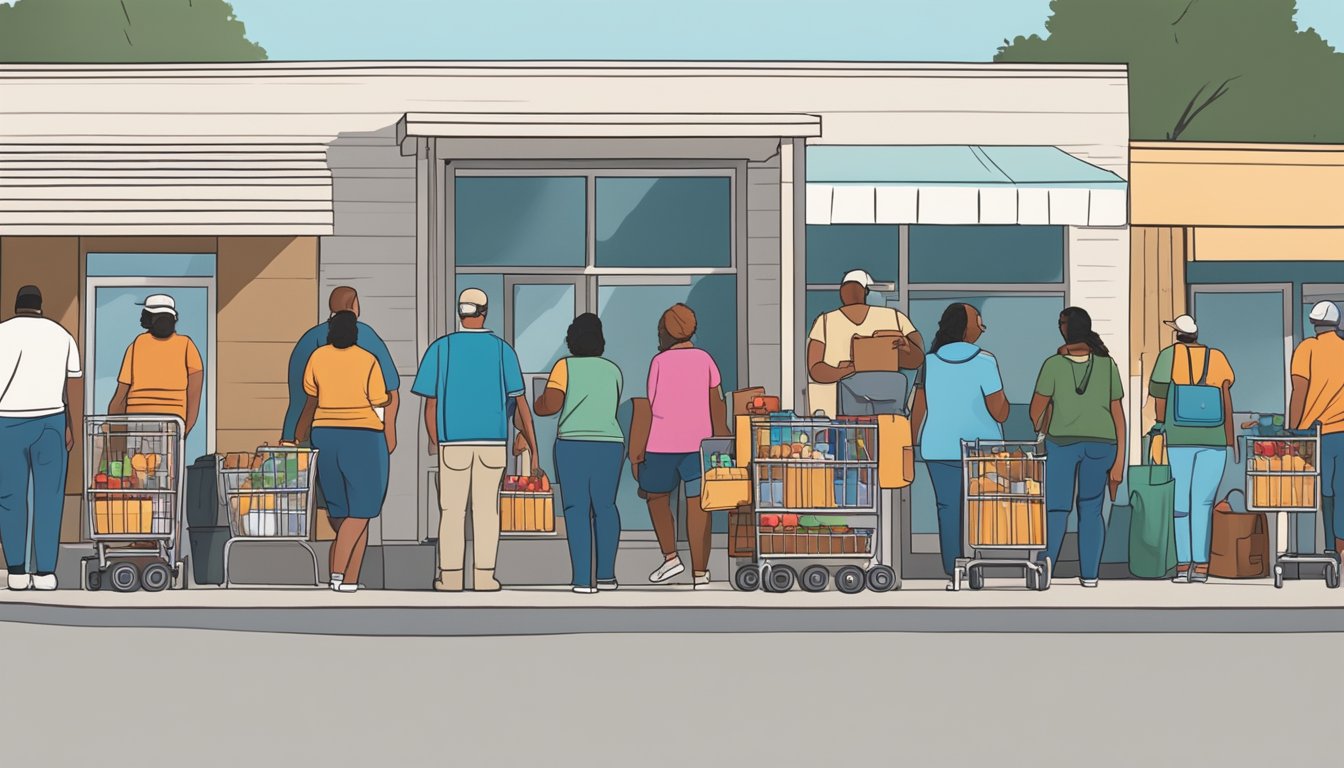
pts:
[589, 473]
[1077, 472]
[352, 468]
[947, 484]
[32, 448]
[1332, 485]
[1198, 471]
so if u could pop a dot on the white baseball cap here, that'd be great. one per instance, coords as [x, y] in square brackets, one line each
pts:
[1324, 313]
[858, 276]
[1183, 324]
[471, 302]
[160, 304]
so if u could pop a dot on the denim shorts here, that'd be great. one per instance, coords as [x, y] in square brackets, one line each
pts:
[662, 472]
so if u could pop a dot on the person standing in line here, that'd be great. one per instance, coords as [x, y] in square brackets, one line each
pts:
[585, 389]
[471, 380]
[683, 387]
[39, 362]
[1079, 407]
[345, 386]
[1318, 399]
[1197, 452]
[960, 397]
[162, 373]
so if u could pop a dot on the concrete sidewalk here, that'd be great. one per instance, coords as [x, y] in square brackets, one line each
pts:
[1119, 606]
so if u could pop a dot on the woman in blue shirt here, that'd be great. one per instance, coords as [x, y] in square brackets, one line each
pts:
[960, 397]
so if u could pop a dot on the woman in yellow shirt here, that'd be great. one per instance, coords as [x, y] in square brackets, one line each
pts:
[345, 389]
[162, 373]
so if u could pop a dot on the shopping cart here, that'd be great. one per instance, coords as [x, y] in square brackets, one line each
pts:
[270, 499]
[134, 477]
[1283, 475]
[816, 499]
[1003, 509]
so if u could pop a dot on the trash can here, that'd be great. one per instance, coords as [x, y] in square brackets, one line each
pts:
[207, 553]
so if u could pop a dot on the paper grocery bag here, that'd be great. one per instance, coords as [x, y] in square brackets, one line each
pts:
[895, 452]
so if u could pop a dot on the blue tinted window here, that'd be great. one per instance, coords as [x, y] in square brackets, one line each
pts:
[664, 222]
[150, 265]
[986, 254]
[521, 221]
[834, 249]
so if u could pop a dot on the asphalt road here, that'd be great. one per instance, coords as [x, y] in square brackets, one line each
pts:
[205, 698]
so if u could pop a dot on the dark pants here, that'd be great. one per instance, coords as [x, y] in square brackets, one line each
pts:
[1080, 472]
[32, 448]
[1332, 487]
[947, 485]
[589, 473]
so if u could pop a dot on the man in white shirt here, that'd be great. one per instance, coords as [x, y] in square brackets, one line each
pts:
[38, 361]
[832, 336]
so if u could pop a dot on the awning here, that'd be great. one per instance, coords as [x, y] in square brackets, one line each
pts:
[153, 188]
[960, 184]
[640, 125]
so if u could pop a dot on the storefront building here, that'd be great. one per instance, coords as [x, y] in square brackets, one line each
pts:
[744, 190]
[1245, 237]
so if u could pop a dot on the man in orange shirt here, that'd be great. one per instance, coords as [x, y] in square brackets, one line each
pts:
[1318, 398]
[162, 373]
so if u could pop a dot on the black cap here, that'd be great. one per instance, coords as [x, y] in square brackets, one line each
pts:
[30, 292]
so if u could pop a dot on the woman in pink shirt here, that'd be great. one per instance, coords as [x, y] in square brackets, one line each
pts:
[683, 381]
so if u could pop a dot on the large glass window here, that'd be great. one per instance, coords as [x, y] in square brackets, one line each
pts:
[834, 249]
[521, 221]
[986, 254]
[664, 222]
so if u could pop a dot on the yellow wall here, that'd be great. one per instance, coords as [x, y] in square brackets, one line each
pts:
[1253, 244]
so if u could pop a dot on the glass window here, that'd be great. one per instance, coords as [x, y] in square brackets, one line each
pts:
[834, 249]
[1255, 350]
[542, 313]
[675, 221]
[151, 265]
[635, 309]
[986, 254]
[521, 221]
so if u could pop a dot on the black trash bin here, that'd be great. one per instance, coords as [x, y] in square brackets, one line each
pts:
[207, 553]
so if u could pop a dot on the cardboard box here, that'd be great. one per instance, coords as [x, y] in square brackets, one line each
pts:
[122, 515]
[876, 353]
[742, 399]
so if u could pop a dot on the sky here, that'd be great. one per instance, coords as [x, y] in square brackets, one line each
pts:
[895, 30]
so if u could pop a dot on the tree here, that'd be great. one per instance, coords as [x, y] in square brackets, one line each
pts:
[97, 31]
[1203, 70]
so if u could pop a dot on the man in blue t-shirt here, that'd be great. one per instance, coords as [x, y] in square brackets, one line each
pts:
[342, 299]
[472, 384]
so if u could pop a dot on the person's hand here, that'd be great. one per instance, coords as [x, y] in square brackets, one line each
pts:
[845, 369]
[391, 436]
[901, 342]
[433, 448]
[69, 438]
[634, 470]
[534, 467]
[287, 443]
[1117, 477]
[519, 444]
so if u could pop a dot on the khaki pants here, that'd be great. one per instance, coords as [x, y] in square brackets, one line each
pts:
[469, 473]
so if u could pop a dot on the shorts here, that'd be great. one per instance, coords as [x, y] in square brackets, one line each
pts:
[352, 469]
[662, 472]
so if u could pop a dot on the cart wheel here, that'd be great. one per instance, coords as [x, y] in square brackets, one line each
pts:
[1031, 578]
[815, 578]
[976, 578]
[850, 579]
[93, 580]
[747, 578]
[780, 579]
[123, 577]
[156, 577]
[1332, 576]
[1047, 567]
[1278, 577]
[881, 578]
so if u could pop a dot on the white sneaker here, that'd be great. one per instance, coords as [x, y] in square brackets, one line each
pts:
[668, 570]
[607, 586]
[20, 581]
[701, 581]
[341, 586]
[585, 591]
[1089, 583]
[44, 582]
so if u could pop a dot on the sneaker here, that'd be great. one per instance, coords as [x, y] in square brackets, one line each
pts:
[701, 581]
[668, 570]
[584, 590]
[20, 581]
[343, 587]
[1199, 577]
[44, 582]
[1182, 576]
[1089, 583]
[608, 586]
[336, 580]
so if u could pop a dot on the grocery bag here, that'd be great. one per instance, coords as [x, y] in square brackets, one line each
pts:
[895, 452]
[1152, 541]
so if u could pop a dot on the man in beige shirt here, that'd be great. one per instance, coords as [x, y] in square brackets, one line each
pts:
[829, 343]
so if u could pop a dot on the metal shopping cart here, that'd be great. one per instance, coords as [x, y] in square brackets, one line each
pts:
[134, 477]
[816, 499]
[270, 499]
[1283, 475]
[1003, 509]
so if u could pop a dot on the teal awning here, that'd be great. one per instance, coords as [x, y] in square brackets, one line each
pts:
[960, 184]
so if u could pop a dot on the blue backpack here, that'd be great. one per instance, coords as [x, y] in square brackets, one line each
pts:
[1196, 404]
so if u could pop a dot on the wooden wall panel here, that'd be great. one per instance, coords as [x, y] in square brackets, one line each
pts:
[1158, 293]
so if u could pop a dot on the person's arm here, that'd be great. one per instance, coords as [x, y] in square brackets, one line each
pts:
[117, 407]
[1160, 409]
[552, 397]
[1229, 426]
[524, 416]
[381, 397]
[303, 431]
[1298, 405]
[919, 409]
[195, 386]
[298, 365]
[996, 401]
[390, 419]
[1118, 468]
[426, 385]
[820, 371]
[998, 406]
[70, 397]
[1039, 403]
[432, 424]
[911, 346]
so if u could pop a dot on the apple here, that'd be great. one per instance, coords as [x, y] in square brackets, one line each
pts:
[769, 521]
[100, 480]
[789, 521]
[114, 483]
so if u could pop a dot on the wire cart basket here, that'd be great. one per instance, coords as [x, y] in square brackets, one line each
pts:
[134, 478]
[1283, 475]
[1003, 510]
[815, 483]
[271, 500]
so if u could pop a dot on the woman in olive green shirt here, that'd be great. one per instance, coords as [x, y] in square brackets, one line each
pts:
[1078, 406]
[585, 390]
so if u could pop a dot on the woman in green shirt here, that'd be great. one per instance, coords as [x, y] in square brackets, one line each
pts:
[585, 390]
[1078, 407]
